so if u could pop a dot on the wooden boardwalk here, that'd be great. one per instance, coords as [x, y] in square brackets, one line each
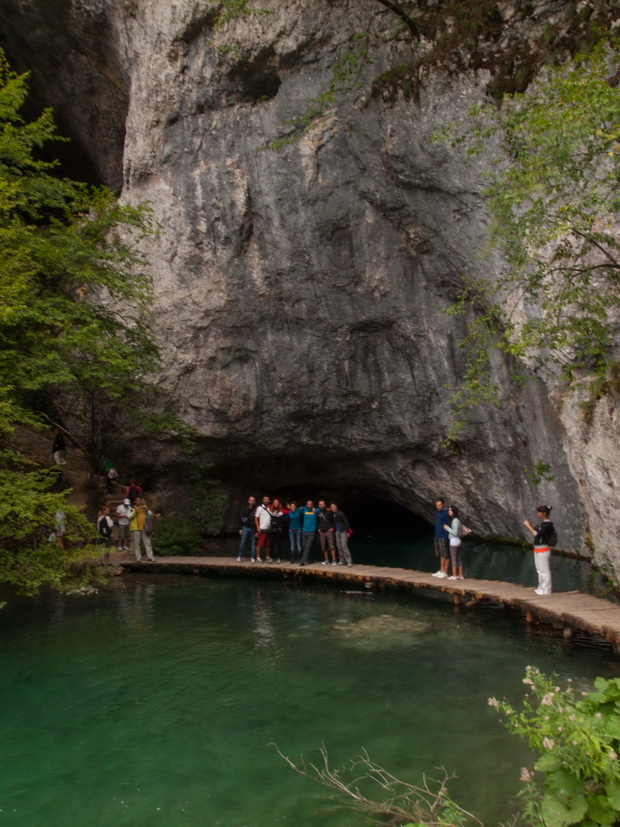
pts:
[568, 611]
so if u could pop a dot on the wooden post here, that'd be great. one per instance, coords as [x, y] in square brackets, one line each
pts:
[529, 617]
[568, 632]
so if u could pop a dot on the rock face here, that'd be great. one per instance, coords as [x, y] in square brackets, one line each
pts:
[300, 293]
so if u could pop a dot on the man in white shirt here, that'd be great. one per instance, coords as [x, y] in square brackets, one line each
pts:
[263, 524]
[122, 512]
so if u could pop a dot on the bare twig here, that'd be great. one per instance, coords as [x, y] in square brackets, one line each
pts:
[423, 804]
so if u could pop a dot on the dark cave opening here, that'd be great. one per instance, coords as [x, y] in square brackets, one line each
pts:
[367, 513]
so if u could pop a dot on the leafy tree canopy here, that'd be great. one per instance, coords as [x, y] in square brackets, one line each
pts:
[555, 203]
[73, 305]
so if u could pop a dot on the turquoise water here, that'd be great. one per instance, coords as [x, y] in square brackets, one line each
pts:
[155, 702]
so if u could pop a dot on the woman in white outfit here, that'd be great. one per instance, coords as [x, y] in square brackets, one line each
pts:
[543, 532]
[455, 530]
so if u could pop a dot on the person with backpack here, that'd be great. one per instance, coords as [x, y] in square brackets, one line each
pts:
[545, 538]
[109, 475]
[104, 529]
[133, 491]
[138, 516]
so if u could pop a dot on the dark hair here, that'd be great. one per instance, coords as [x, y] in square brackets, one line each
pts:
[455, 511]
[544, 509]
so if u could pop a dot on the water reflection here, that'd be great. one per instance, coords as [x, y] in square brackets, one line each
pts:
[156, 702]
[136, 608]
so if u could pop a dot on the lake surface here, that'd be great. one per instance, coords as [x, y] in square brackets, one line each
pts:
[155, 702]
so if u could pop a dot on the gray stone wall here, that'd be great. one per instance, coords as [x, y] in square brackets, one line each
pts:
[300, 294]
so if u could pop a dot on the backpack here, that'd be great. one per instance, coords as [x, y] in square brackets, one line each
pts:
[132, 492]
[105, 529]
[148, 525]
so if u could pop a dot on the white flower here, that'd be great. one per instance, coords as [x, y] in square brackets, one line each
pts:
[525, 774]
[494, 703]
[548, 699]
[613, 754]
[548, 743]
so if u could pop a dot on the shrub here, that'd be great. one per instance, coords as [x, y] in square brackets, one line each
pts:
[577, 777]
[176, 536]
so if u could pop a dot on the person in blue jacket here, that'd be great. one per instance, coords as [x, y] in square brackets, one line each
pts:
[442, 543]
[294, 531]
[308, 528]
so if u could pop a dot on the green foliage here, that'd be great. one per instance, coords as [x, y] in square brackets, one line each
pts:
[28, 518]
[73, 307]
[576, 780]
[344, 79]
[73, 301]
[234, 9]
[176, 536]
[540, 472]
[205, 497]
[554, 198]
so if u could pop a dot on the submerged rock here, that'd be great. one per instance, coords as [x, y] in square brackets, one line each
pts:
[381, 632]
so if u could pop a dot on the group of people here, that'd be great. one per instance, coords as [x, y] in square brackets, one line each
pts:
[449, 529]
[134, 518]
[448, 532]
[276, 529]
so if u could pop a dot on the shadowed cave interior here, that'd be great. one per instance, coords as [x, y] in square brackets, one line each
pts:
[367, 513]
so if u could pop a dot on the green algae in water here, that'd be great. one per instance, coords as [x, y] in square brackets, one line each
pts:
[156, 703]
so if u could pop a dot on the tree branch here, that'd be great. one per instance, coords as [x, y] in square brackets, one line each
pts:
[402, 14]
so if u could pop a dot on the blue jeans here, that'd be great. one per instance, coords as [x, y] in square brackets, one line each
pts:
[294, 535]
[245, 533]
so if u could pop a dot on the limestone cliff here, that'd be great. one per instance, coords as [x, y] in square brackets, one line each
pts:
[300, 293]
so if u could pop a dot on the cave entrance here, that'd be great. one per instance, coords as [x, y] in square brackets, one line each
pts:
[367, 513]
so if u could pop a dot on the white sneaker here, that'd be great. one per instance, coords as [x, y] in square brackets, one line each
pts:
[334, 563]
[441, 574]
[324, 563]
[437, 574]
[238, 559]
[452, 577]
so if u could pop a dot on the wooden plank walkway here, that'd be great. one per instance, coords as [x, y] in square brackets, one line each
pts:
[568, 611]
